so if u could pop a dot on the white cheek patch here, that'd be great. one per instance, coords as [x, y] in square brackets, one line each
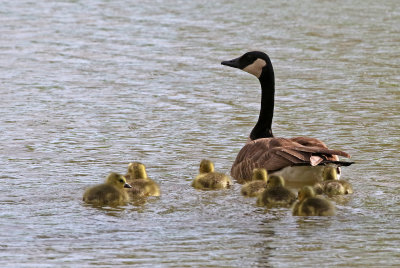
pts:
[256, 67]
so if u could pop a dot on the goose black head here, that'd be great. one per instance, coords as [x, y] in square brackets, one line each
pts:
[254, 62]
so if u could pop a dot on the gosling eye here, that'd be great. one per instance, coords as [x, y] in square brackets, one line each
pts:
[121, 180]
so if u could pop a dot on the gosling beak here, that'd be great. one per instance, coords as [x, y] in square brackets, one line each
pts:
[126, 185]
[232, 63]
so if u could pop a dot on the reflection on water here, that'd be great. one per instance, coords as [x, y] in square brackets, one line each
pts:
[89, 86]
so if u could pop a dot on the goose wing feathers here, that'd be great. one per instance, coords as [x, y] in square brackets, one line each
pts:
[276, 153]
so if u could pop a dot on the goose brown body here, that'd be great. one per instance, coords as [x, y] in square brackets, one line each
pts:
[274, 154]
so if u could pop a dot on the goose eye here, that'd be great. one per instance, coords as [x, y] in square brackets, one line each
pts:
[250, 58]
[121, 180]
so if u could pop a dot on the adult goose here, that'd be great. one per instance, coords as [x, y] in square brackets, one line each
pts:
[299, 160]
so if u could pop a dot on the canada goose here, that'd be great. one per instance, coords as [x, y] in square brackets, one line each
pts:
[142, 185]
[311, 205]
[257, 184]
[110, 193]
[208, 179]
[298, 160]
[331, 186]
[276, 194]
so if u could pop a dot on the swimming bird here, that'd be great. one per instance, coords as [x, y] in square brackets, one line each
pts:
[257, 184]
[110, 193]
[208, 179]
[331, 186]
[310, 205]
[298, 160]
[276, 194]
[142, 185]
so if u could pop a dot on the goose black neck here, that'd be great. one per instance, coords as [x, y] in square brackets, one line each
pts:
[263, 127]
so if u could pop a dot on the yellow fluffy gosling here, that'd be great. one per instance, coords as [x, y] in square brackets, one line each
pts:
[142, 185]
[208, 179]
[110, 193]
[331, 186]
[310, 205]
[257, 184]
[276, 194]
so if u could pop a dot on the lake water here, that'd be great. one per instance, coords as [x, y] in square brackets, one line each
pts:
[89, 86]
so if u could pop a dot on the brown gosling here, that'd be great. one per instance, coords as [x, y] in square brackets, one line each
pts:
[142, 185]
[276, 194]
[310, 205]
[331, 186]
[208, 179]
[110, 193]
[257, 184]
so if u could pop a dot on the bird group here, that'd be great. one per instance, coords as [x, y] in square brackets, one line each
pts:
[302, 161]
[270, 191]
[118, 189]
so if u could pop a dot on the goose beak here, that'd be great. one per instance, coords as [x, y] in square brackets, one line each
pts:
[232, 63]
[126, 185]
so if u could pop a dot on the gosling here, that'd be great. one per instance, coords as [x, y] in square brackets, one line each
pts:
[142, 185]
[208, 179]
[331, 186]
[276, 194]
[257, 184]
[110, 193]
[310, 205]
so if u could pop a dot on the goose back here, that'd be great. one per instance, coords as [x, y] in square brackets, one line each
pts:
[274, 154]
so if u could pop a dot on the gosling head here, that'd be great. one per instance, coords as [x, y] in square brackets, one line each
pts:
[330, 173]
[206, 166]
[256, 63]
[306, 192]
[274, 181]
[137, 170]
[117, 180]
[259, 174]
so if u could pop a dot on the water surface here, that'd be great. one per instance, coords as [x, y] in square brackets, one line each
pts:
[88, 86]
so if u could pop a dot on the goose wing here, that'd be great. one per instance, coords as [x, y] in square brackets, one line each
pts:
[276, 153]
